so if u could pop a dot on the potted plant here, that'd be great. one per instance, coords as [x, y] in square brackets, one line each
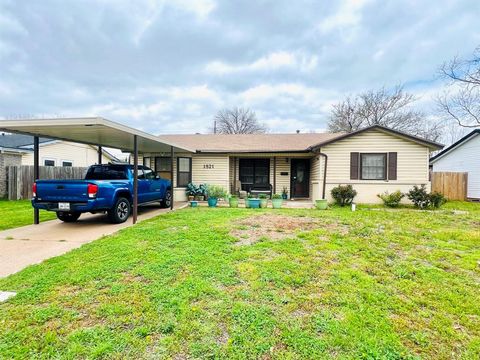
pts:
[247, 201]
[254, 202]
[321, 204]
[277, 201]
[285, 193]
[191, 191]
[201, 192]
[233, 201]
[214, 193]
[263, 200]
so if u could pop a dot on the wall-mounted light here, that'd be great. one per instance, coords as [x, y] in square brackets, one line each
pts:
[286, 160]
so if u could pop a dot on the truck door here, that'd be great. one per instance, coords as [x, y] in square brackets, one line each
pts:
[155, 188]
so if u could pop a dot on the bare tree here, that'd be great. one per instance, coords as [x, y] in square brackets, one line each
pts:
[382, 107]
[238, 121]
[461, 101]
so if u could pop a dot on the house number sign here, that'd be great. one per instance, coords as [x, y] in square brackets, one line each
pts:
[208, 166]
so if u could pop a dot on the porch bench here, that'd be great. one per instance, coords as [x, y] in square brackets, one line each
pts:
[256, 190]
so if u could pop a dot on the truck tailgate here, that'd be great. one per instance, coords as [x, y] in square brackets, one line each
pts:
[62, 190]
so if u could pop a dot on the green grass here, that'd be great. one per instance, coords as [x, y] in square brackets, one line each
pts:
[372, 284]
[19, 213]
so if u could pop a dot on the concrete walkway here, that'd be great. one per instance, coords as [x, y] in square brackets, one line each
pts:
[31, 244]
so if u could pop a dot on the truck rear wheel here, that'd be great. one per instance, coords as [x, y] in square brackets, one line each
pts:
[165, 203]
[120, 211]
[68, 216]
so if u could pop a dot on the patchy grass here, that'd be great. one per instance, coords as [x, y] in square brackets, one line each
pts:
[19, 213]
[400, 284]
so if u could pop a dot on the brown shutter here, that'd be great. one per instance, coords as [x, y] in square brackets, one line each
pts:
[392, 166]
[354, 165]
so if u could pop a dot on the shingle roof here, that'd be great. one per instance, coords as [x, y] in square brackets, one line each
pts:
[249, 142]
[18, 140]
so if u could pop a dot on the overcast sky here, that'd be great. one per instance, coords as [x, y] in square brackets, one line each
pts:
[169, 66]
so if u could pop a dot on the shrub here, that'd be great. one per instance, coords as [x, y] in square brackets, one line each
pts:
[437, 199]
[276, 196]
[263, 196]
[192, 189]
[393, 199]
[203, 189]
[343, 194]
[419, 197]
[215, 191]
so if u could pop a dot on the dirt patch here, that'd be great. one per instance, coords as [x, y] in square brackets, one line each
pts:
[273, 227]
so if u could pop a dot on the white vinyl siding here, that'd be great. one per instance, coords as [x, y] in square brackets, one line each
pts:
[464, 158]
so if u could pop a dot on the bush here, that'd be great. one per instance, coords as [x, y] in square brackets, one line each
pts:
[437, 199]
[215, 191]
[276, 196]
[343, 194]
[423, 200]
[393, 199]
[263, 196]
[419, 197]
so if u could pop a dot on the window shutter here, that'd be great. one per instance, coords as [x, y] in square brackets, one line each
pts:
[354, 165]
[392, 166]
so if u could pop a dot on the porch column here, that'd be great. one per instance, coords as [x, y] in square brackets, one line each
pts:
[234, 185]
[99, 155]
[36, 175]
[171, 174]
[135, 179]
[274, 174]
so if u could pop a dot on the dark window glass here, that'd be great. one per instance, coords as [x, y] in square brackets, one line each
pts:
[163, 167]
[49, 163]
[184, 171]
[67, 163]
[373, 166]
[106, 172]
[254, 172]
[149, 174]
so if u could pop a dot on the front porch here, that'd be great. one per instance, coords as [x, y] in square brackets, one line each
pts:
[296, 174]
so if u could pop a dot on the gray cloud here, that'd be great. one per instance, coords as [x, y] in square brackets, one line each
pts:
[168, 66]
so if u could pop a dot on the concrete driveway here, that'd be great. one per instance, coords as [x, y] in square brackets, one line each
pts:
[27, 245]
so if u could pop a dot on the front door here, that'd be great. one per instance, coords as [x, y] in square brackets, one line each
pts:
[300, 180]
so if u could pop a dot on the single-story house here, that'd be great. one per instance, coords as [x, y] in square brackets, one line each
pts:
[307, 165]
[462, 156]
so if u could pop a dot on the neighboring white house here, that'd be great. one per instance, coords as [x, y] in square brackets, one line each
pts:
[462, 156]
[54, 152]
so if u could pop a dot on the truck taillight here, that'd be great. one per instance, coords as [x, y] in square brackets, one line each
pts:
[34, 189]
[92, 190]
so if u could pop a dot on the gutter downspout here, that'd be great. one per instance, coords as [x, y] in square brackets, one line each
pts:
[324, 171]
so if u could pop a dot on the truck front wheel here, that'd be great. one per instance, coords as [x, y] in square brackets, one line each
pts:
[68, 216]
[120, 211]
[165, 203]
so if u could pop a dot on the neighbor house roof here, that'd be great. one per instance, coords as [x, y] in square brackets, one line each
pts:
[18, 140]
[455, 145]
[24, 143]
[254, 143]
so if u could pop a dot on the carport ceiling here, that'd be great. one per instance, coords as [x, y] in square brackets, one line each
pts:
[94, 131]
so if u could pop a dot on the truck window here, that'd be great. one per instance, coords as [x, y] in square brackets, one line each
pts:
[106, 173]
[149, 174]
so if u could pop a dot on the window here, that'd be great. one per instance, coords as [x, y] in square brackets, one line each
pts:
[254, 172]
[163, 167]
[184, 171]
[67, 163]
[106, 172]
[373, 166]
[148, 173]
[49, 162]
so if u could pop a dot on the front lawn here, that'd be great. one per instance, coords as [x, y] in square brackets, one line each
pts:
[245, 283]
[19, 213]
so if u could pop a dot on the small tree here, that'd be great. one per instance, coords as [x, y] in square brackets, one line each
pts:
[343, 194]
[237, 121]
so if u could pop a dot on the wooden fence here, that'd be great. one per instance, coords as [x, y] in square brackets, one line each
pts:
[20, 178]
[451, 184]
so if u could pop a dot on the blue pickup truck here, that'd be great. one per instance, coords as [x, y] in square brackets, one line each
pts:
[106, 188]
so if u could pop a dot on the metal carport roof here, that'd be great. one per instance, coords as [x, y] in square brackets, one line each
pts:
[91, 130]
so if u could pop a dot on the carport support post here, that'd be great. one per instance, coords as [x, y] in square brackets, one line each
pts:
[171, 175]
[135, 178]
[99, 155]
[36, 175]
